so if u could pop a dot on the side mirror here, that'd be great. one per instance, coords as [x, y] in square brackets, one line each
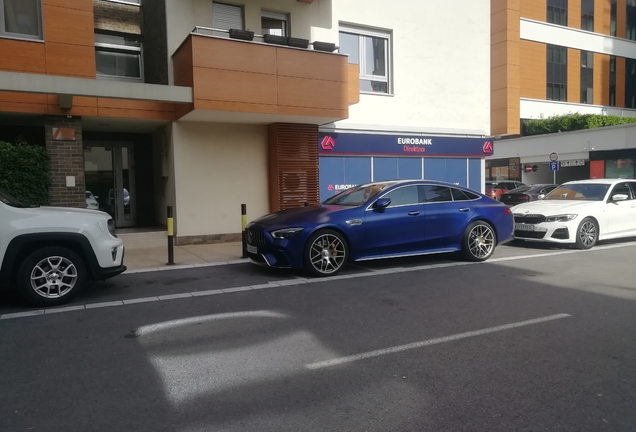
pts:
[541, 196]
[96, 197]
[382, 203]
[619, 197]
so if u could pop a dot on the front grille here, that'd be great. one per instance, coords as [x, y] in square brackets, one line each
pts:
[255, 237]
[529, 218]
[530, 234]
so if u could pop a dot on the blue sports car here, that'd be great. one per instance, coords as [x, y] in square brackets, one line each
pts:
[381, 220]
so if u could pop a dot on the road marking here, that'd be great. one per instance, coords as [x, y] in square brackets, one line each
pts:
[411, 346]
[302, 281]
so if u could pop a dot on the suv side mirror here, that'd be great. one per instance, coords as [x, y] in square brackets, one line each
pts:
[619, 197]
[382, 203]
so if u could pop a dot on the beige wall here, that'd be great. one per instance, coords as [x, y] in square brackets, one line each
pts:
[217, 168]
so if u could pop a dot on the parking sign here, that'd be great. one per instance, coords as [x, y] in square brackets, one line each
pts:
[554, 166]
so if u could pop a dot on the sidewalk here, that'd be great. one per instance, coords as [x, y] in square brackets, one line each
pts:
[155, 258]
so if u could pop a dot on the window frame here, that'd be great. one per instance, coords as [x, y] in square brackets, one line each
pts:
[587, 18]
[387, 35]
[120, 49]
[279, 16]
[554, 10]
[10, 35]
[552, 84]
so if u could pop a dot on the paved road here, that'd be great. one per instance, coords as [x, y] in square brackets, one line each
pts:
[536, 339]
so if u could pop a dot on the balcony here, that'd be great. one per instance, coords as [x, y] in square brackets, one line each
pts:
[255, 82]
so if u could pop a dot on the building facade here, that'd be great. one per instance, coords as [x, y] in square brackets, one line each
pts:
[553, 57]
[206, 105]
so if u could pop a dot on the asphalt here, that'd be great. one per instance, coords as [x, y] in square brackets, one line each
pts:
[242, 360]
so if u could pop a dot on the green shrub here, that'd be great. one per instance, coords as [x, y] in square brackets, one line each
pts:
[24, 172]
[571, 122]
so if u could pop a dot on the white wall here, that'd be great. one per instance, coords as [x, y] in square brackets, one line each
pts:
[536, 109]
[218, 167]
[441, 64]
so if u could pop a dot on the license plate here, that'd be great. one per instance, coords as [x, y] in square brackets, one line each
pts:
[252, 249]
[524, 227]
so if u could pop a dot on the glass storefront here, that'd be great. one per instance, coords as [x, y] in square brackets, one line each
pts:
[620, 168]
[503, 169]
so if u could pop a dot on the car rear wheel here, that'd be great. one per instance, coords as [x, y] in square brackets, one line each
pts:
[326, 253]
[51, 276]
[587, 234]
[479, 241]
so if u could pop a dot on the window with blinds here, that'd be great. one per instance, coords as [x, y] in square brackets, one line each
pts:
[226, 16]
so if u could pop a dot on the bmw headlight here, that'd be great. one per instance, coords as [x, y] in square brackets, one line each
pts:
[561, 218]
[286, 233]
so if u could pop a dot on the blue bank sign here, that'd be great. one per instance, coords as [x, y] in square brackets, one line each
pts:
[402, 145]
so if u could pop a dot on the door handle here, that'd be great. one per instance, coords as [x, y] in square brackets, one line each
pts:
[413, 213]
[464, 209]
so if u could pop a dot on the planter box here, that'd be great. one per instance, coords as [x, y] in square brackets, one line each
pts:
[324, 46]
[241, 34]
[297, 42]
[274, 39]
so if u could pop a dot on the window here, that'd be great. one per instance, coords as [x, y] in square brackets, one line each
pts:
[622, 188]
[620, 168]
[631, 20]
[587, 77]
[612, 17]
[557, 73]
[630, 84]
[460, 195]
[587, 15]
[437, 193]
[118, 56]
[558, 12]
[407, 195]
[274, 23]
[21, 18]
[370, 50]
[225, 17]
[612, 81]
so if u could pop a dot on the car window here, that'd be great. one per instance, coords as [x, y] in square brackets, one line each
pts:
[579, 192]
[403, 196]
[622, 188]
[358, 195]
[459, 195]
[633, 186]
[437, 193]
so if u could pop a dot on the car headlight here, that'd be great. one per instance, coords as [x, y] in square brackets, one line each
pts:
[286, 233]
[561, 218]
[111, 227]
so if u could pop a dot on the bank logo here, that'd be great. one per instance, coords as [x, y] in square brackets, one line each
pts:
[487, 147]
[327, 143]
[330, 187]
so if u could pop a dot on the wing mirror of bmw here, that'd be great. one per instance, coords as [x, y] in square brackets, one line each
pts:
[619, 197]
[541, 196]
[382, 203]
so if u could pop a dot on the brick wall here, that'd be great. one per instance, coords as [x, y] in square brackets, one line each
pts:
[66, 159]
[117, 17]
[155, 42]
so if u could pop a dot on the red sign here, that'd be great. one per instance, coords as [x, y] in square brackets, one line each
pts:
[528, 168]
[327, 143]
[487, 147]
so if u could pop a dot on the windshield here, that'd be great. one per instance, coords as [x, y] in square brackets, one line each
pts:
[10, 200]
[579, 192]
[358, 195]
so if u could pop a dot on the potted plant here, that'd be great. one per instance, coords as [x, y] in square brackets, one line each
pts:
[241, 34]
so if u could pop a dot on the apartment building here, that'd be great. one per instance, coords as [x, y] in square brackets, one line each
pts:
[553, 57]
[206, 105]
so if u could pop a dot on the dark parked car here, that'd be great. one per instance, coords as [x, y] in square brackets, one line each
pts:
[526, 194]
[381, 220]
[494, 189]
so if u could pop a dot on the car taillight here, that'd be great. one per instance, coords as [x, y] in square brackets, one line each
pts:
[507, 210]
[524, 197]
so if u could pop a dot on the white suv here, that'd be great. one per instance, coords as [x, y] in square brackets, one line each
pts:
[48, 253]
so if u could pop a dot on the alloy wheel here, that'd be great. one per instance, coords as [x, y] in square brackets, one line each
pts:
[327, 254]
[481, 241]
[53, 277]
[587, 234]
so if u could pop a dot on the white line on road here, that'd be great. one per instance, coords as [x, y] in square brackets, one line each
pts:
[411, 346]
[303, 281]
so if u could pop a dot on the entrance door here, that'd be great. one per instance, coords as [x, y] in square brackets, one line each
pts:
[109, 171]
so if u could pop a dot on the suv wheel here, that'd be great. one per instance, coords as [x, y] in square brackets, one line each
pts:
[51, 276]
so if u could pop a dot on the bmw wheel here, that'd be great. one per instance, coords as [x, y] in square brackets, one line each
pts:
[586, 234]
[479, 241]
[326, 253]
[51, 276]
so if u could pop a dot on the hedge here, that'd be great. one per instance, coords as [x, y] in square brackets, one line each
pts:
[24, 172]
[571, 122]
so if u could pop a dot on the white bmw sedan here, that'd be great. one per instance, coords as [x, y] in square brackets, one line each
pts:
[580, 213]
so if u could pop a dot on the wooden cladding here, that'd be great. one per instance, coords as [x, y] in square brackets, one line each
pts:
[574, 76]
[86, 106]
[533, 68]
[293, 166]
[534, 9]
[229, 75]
[601, 79]
[68, 48]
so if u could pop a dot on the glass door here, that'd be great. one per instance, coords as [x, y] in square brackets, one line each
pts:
[110, 186]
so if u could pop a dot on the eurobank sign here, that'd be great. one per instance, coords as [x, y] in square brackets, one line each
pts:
[342, 144]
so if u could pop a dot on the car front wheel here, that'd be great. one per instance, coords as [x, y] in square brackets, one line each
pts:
[479, 241]
[587, 234]
[51, 276]
[326, 253]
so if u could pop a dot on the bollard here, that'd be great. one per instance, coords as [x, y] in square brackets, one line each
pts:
[243, 233]
[170, 237]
